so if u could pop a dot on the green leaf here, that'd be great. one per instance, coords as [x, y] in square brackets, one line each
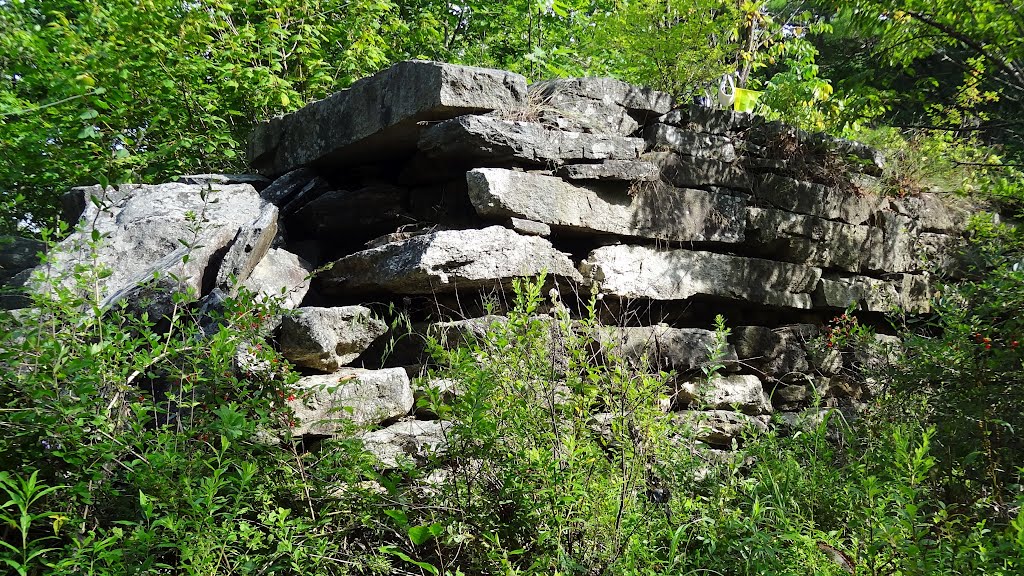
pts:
[89, 114]
[420, 534]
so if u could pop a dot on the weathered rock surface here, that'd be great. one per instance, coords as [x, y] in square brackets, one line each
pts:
[325, 403]
[896, 248]
[490, 139]
[813, 241]
[688, 171]
[280, 274]
[408, 441]
[653, 211]
[446, 260]
[934, 213]
[660, 137]
[145, 229]
[666, 274]
[776, 353]
[744, 392]
[328, 338]
[815, 199]
[380, 113]
[663, 347]
[709, 120]
[719, 428]
[637, 100]
[906, 292]
[627, 170]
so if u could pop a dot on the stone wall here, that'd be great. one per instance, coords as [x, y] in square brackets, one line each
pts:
[430, 187]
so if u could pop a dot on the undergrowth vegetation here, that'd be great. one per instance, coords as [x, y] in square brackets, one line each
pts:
[132, 448]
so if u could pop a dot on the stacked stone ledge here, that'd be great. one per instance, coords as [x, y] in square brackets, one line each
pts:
[431, 187]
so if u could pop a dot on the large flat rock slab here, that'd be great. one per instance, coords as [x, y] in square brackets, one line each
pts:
[446, 261]
[647, 211]
[676, 274]
[490, 139]
[380, 114]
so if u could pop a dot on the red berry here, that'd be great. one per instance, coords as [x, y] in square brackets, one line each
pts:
[988, 346]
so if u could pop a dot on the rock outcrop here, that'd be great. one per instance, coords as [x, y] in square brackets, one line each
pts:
[430, 188]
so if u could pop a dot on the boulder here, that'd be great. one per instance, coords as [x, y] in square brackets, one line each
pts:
[446, 261]
[147, 231]
[489, 139]
[650, 211]
[628, 170]
[676, 274]
[379, 114]
[689, 171]
[326, 404]
[661, 137]
[328, 338]
[407, 442]
[743, 393]
[280, 274]
[815, 199]
[718, 428]
[662, 347]
[811, 240]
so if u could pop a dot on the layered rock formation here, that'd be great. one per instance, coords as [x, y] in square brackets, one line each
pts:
[431, 187]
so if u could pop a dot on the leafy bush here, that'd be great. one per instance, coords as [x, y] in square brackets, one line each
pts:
[133, 450]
